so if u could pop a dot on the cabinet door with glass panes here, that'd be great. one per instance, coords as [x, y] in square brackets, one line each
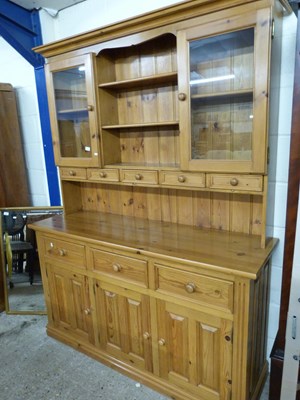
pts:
[223, 94]
[73, 112]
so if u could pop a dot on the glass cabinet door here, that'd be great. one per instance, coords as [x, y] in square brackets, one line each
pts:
[218, 99]
[73, 112]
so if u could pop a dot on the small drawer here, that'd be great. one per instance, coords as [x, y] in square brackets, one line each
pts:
[65, 252]
[73, 173]
[247, 183]
[139, 177]
[182, 179]
[120, 267]
[108, 175]
[197, 288]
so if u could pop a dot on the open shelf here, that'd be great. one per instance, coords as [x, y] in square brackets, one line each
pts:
[165, 78]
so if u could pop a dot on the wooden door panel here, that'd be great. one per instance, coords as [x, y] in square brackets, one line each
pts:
[195, 350]
[70, 302]
[124, 327]
[58, 290]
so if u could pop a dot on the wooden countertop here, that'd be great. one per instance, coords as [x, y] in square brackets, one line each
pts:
[233, 253]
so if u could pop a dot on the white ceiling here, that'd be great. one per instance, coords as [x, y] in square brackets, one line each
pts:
[55, 5]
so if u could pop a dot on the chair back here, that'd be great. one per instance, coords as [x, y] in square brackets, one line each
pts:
[9, 257]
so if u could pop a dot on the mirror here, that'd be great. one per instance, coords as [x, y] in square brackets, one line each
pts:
[23, 288]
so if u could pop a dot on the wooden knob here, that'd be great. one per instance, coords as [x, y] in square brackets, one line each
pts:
[138, 177]
[234, 182]
[103, 174]
[146, 335]
[181, 178]
[62, 252]
[72, 173]
[161, 342]
[90, 108]
[181, 96]
[227, 338]
[190, 287]
[116, 267]
[87, 311]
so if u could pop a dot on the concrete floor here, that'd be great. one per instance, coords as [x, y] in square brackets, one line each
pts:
[36, 367]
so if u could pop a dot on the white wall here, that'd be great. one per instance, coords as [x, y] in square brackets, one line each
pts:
[14, 69]
[91, 14]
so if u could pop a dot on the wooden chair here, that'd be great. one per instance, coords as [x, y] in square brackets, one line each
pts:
[16, 247]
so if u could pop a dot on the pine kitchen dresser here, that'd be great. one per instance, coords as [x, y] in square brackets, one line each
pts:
[160, 265]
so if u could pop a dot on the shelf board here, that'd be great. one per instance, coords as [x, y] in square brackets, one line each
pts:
[78, 113]
[233, 93]
[167, 78]
[142, 125]
[172, 167]
[73, 111]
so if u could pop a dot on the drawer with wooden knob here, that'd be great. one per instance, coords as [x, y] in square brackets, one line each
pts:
[247, 183]
[139, 177]
[198, 288]
[65, 252]
[104, 175]
[182, 179]
[72, 173]
[120, 267]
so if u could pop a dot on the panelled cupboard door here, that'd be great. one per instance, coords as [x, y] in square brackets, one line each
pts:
[69, 295]
[123, 318]
[73, 113]
[223, 93]
[195, 351]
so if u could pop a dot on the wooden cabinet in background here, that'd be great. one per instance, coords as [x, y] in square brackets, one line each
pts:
[13, 179]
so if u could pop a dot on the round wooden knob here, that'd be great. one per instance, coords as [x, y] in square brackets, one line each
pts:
[62, 252]
[90, 107]
[103, 174]
[181, 178]
[72, 173]
[181, 96]
[87, 311]
[161, 342]
[234, 182]
[146, 335]
[116, 267]
[190, 287]
[138, 177]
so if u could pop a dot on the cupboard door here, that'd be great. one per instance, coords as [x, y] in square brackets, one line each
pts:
[124, 325]
[223, 93]
[195, 351]
[72, 106]
[69, 297]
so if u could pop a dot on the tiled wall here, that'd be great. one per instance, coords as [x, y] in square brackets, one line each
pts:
[279, 140]
[14, 69]
[78, 19]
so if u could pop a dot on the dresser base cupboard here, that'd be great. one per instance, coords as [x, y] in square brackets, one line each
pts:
[181, 309]
[160, 265]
